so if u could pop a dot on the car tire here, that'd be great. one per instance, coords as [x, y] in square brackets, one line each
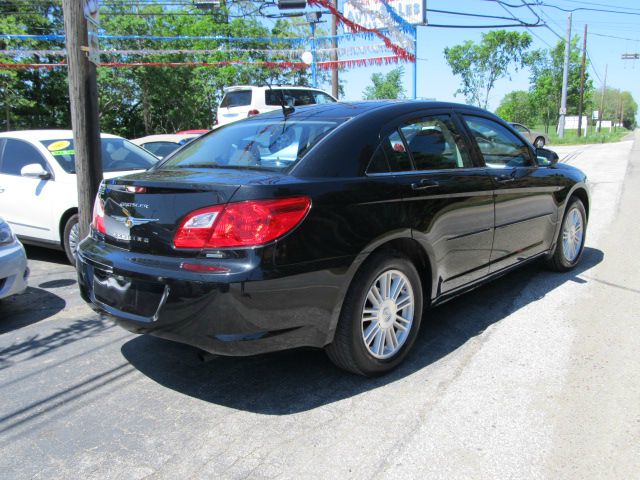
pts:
[571, 238]
[376, 346]
[70, 238]
[539, 143]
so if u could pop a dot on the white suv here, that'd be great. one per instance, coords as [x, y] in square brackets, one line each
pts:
[245, 101]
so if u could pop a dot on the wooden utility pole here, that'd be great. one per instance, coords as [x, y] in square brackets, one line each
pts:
[604, 87]
[621, 110]
[584, 59]
[83, 94]
[334, 53]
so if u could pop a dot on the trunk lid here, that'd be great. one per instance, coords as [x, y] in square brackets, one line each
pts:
[142, 211]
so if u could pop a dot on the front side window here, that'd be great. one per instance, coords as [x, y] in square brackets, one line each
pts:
[18, 154]
[500, 148]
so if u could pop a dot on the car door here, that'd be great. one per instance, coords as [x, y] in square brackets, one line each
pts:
[448, 197]
[525, 210]
[26, 203]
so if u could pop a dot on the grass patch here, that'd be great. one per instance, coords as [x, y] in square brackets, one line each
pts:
[571, 136]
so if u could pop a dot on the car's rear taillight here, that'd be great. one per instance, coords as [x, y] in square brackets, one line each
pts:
[253, 112]
[98, 215]
[243, 224]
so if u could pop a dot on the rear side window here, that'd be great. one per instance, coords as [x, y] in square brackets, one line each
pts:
[500, 147]
[434, 144]
[275, 96]
[18, 154]
[397, 154]
[236, 98]
[295, 97]
[323, 98]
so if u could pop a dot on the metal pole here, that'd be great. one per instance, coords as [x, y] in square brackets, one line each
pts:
[565, 80]
[334, 54]
[415, 66]
[314, 73]
[604, 87]
[584, 58]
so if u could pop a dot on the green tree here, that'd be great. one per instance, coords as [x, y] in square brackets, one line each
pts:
[614, 101]
[480, 65]
[546, 82]
[517, 107]
[387, 86]
[147, 100]
[36, 98]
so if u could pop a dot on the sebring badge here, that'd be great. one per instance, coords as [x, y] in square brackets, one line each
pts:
[133, 221]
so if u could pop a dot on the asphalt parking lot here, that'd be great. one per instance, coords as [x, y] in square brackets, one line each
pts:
[536, 375]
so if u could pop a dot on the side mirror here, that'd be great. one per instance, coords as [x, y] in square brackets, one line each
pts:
[546, 157]
[34, 170]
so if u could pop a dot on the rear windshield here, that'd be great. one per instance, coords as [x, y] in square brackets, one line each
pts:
[268, 145]
[237, 98]
[118, 155]
[161, 149]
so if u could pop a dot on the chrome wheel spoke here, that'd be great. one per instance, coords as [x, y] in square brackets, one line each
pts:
[387, 314]
[371, 332]
[397, 288]
[405, 302]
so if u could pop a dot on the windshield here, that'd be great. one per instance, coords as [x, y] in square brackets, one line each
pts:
[268, 144]
[118, 155]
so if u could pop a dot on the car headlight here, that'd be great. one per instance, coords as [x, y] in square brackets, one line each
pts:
[6, 235]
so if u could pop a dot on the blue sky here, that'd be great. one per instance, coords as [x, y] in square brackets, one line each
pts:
[434, 75]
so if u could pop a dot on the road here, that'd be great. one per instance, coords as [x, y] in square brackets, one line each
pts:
[536, 375]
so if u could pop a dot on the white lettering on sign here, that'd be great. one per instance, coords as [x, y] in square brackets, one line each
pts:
[369, 13]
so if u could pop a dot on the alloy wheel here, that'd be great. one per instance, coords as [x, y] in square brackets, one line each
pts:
[387, 315]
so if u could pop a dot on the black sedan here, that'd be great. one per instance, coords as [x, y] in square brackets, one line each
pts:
[330, 226]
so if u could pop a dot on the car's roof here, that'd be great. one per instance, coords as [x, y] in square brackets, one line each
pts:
[365, 107]
[167, 137]
[270, 87]
[38, 135]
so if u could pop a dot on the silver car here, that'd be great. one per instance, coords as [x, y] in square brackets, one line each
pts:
[538, 139]
[13, 263]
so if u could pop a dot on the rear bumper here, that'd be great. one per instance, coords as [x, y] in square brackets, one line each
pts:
[245, 311]
[13, 270]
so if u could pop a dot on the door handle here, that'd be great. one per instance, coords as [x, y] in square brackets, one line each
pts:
[504, 178]
[424, 184]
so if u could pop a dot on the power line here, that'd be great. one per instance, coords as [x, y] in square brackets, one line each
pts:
[588, 9]
[582, 2]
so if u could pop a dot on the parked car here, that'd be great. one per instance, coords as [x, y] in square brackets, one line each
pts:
[538, 139]
[38, 191]
[164, 144]
[244, 101]
[331, 226]
[13, 263]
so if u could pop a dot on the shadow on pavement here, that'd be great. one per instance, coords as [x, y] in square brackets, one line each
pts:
[31, 307]
[299, 380]
[46, 254]
[65, 282]
[37, 345]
